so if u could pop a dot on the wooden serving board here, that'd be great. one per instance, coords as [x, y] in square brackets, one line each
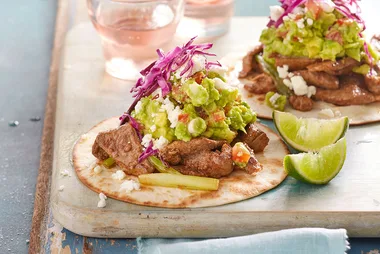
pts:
[86, 96]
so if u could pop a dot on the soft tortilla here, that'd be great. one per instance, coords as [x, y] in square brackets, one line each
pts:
[358, 115]
[236, 187]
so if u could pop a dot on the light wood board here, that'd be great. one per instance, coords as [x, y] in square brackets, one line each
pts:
[86, 96]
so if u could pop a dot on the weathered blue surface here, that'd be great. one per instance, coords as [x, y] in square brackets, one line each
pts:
[27, 28]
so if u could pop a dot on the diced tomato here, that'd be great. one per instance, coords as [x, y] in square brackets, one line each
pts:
[240, 153]
[198, 77]
[282, 34]
[335, 36]
[315, 9]
[218, 116]
[184, 118]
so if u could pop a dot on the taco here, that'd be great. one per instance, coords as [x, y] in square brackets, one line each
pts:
[187, 140]
[313, 61]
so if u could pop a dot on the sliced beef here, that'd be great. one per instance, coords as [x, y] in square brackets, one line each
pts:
[319, 79]
[255, 138]
[373, 83]
[253, 166]
[215, 164]
[352, 92]
[98, 152]
[301, 103]
[341, 67]
[123, 145]
[249, 61]
[261, 84]
[294, 63]
[177, 150]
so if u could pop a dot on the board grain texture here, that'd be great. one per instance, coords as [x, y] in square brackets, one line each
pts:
[41, 201]
[86, 96]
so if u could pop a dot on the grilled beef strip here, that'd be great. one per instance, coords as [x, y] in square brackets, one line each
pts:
[340, 67]
[319, 79]
[301, 103]
[294, 63]
[249, 61]
[255, 138]
[123, 145]
[215, 164]
[352, 92]
[261, 84]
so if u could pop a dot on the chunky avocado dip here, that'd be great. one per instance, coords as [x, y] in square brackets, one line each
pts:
[315, 30]
[202, 104]
[182, 96]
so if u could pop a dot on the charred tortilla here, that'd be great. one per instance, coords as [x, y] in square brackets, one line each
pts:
[236, 187]
[358, 115]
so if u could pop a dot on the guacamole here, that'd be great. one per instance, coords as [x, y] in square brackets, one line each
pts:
[323, 35]
[208, 108]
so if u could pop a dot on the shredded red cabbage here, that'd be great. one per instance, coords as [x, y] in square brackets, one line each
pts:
[149, 151]
[128, 118]
[158, 73]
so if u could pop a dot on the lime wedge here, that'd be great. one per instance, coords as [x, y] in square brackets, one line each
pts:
[309, 134]
[317, 168]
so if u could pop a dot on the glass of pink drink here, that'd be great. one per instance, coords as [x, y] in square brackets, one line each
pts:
[132, 30]
[206, 18]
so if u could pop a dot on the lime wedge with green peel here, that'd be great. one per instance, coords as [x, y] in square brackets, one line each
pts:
[309, 134]
[317, 168]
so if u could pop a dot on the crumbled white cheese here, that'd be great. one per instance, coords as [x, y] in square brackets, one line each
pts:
[274, 98]
[326, 113]
[310, 22]
[173, 112]
[191, 127]
[221, 85]
[288, 83]
[221, 70]
[292, 16]
[299, 85]
[327, 6]
[283, 71]
[129, 185]
[199, 63]
[119, 175]
[102, 196]
[286, 18]
[311, 90]
[84, 137]
[61, 187]
[337, 113]
[146, 140]
[298, 10]
[138, 107]
[160, 143]
[65, 172]
[291, 74]
[301, 23]
[153, 128]
[102, 203]
[98, 169]
[276, 12]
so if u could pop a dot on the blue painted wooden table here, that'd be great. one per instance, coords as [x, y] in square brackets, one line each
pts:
[25, 50]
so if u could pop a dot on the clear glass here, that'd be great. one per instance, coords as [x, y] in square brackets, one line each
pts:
[206, 18]
[132, 30]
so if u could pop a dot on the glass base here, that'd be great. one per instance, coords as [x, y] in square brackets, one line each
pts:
[190, 27]
[125, 69]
